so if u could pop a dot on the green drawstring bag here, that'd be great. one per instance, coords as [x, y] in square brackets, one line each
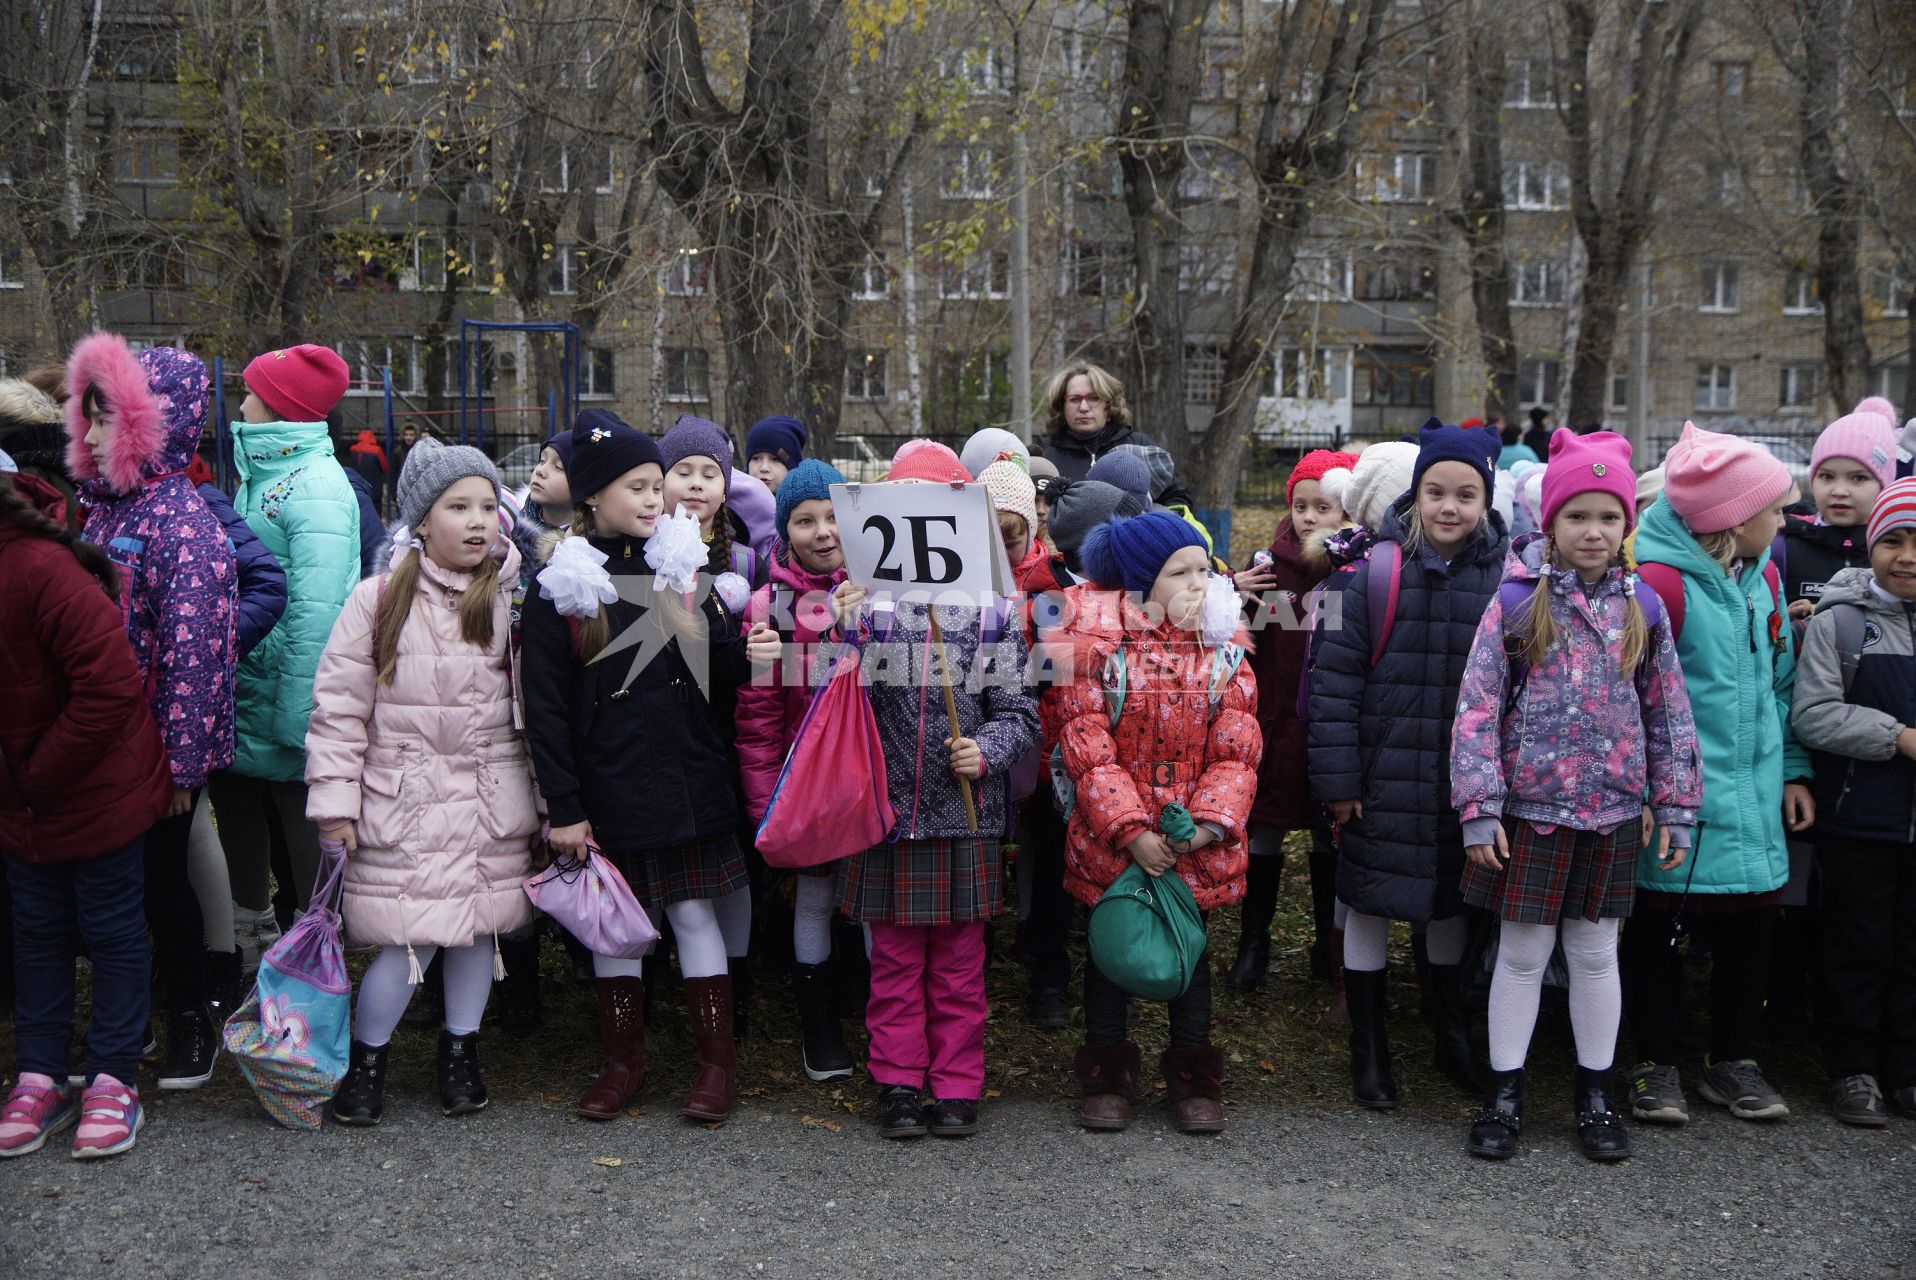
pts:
[1146, 934]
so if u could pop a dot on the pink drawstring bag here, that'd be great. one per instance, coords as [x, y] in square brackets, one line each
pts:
[830, 800]
[595, 904]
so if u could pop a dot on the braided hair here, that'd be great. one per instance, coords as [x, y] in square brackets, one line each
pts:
[720, 559]
[16, 511]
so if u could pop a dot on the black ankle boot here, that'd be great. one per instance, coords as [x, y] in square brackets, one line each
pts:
[823, 1052]
[1456, 1055]
[361, 1096]
[1371, 1081]
[461, 1088]
[226, 990]
[521, 1009]
[1261, 882]
[1494, 1134]
[1600, 1129]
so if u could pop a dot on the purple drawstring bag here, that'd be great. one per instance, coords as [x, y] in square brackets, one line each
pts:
[595, 904]
[291, 1037]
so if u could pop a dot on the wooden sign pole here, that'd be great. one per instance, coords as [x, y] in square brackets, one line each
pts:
[951, 708]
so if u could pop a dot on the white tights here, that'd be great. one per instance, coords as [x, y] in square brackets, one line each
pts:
[1365, 938]
[1596, 992]
[384, 991]
[701, 941]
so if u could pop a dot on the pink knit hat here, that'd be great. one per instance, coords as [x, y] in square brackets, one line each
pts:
[1716, 482]
[929, 461]
[1596, 463]
[1866, 436]
[1895, 509]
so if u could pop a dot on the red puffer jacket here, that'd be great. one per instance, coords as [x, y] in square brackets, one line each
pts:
[1283, 787]
[82, 770]
[1168, 747]
[771, 704]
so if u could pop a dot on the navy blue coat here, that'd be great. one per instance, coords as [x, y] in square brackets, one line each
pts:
[372, 530]
[262, 583]
[1383, 736]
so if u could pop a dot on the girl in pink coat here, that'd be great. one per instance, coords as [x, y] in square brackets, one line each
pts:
[418, 773]
[796, 606]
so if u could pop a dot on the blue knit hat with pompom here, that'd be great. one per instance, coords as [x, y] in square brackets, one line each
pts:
[1130, 553]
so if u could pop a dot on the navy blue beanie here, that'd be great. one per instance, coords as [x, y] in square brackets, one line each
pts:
[781, 436]
[1475, 447]
[603, 450]
[1130, 553]
[809, 481]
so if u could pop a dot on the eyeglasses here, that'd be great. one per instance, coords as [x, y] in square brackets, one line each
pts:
[1091, 401]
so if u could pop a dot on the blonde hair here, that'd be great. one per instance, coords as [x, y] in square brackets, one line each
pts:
[1539, 629]
[1012, 525]
[396, 598]
[1103, 382]
[1720, 546]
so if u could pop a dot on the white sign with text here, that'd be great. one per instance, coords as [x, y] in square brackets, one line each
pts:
[937, 541]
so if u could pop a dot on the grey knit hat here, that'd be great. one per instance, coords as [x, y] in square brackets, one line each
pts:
[1082, 507]
[432, 468]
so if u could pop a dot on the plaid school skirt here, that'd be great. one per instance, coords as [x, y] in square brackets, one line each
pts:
[702, 867]
[920, 883]
[1585, 874]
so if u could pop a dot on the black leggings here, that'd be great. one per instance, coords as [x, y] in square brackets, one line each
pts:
[173, 914]
[1107, 1006]
[1653, 970]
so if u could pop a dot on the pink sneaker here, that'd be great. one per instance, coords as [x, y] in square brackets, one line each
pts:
[110, 1118]
[36, 1108]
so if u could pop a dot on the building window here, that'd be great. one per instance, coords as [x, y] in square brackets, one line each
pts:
[1731, 78]
[688, 374]
[559, 271]
[1204, 269]
[1399, 179]
[428, 274]
[869, 174]
[1097, 177]
[981, 275]
[146, 266]
[1532, 83]
[1893, 293]
[1715, 388]
[1397, 278]
[1203, 374]
[150, 158]
[1217, 77]
[497, 365]
[1802, 386]
[1533, 184]
[1393, 377]
[1890, 381]
[1096, 270]
[971, 387]
[12, 266]
[1720, 293]
[1321, 277]
[689, 275]
[871, 280]
[1800, 296]
[1537, 383]
[1619, 391]
[595, 375]
[1301, 373]
[986, 70]
[1202, 178]
[968, 173]
[1721, 187]
[372, 357]
[865, 375]
[1537, 284]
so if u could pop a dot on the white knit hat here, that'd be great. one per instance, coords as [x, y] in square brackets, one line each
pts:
[1381, 476]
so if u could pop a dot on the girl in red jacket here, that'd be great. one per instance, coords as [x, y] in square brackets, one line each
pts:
[1159, 710]
[83, 775]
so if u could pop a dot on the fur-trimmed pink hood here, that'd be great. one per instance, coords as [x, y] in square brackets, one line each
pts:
[158, 398]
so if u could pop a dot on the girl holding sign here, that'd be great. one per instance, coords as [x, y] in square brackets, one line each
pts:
[928, 894]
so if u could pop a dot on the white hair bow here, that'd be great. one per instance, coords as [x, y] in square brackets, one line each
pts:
[575, 579]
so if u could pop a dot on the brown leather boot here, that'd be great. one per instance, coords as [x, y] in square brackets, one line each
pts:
[1108, 1077]
[1195, 1079]
[622, 1033]
[714, 1050]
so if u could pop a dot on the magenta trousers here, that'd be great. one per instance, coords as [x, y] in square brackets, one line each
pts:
[927, 1012]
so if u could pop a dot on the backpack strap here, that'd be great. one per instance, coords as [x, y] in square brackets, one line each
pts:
[1667, 583]
[1382, 586]
[1775, 580]
[1850, 631]
[1225, 660]
[745, 562]
[1514, 599]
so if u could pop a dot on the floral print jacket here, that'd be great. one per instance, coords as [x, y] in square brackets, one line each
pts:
[1569, 742]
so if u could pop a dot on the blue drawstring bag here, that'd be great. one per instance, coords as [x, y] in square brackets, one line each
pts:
[291, 1037]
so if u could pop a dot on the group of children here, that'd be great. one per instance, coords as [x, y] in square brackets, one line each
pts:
[1597, 720]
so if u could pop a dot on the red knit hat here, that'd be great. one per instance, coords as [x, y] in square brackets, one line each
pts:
[1895, 509]
[927, 460]
[1313, 465]
[299, 384]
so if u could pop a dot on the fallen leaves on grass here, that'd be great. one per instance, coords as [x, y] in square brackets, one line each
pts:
[830, 1126]
[607, 1162]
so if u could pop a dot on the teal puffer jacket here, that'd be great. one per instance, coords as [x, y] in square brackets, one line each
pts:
[294, 495]
[1740, 671]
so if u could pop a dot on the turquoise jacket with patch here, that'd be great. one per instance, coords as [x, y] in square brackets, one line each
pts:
[1739, 668]
[296, 498]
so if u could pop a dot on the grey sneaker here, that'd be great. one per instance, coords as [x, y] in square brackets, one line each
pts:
[1740, 1086]
[1858, 1100]
[1903, 1101]
[1656, 1094]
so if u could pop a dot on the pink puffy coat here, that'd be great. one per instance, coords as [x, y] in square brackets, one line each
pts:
[797, 602]
[430, 768]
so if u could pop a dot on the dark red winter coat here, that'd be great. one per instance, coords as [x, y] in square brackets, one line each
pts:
[82, 769]
[1283, 789]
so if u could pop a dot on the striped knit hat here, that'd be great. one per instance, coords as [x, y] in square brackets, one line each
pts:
[1895, 509]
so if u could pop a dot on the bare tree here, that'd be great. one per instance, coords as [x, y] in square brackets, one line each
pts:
[1621, 93]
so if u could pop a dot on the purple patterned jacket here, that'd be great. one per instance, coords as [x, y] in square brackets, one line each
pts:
[1577, 745]
[180, 587]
